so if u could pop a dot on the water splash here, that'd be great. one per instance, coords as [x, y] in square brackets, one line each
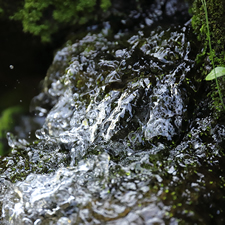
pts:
[121, 142]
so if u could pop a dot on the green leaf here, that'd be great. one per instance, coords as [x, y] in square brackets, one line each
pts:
[219, 71]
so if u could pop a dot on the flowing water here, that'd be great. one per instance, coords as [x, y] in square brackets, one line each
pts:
[128, 136]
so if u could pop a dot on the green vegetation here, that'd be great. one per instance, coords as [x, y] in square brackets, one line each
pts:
[45, 17]
[211, 15]
[216, 18]
[219, 69]
[6, 123]
[215, 73]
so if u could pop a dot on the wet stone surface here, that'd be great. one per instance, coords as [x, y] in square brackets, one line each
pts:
[126, 139]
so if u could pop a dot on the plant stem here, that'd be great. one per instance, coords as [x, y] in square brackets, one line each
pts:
[211, 52]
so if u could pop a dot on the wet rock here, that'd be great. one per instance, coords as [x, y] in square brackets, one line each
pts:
[124, 141]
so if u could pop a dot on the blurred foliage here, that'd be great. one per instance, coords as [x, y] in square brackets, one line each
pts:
[7, 122]
[45, 17]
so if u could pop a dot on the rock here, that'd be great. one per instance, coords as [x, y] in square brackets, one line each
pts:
[125, 140]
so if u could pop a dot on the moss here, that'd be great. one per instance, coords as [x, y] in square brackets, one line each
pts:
[216, 18]
[45, 17]
[105, 4]
[80, 83]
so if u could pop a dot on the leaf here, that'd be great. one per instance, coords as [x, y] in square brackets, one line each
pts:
[219, 71]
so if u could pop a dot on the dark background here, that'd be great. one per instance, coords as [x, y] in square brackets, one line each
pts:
[30, 60]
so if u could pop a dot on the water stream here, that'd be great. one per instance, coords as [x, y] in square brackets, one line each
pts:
[128, 136]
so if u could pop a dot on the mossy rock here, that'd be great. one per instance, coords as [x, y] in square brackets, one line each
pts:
[216, 18]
